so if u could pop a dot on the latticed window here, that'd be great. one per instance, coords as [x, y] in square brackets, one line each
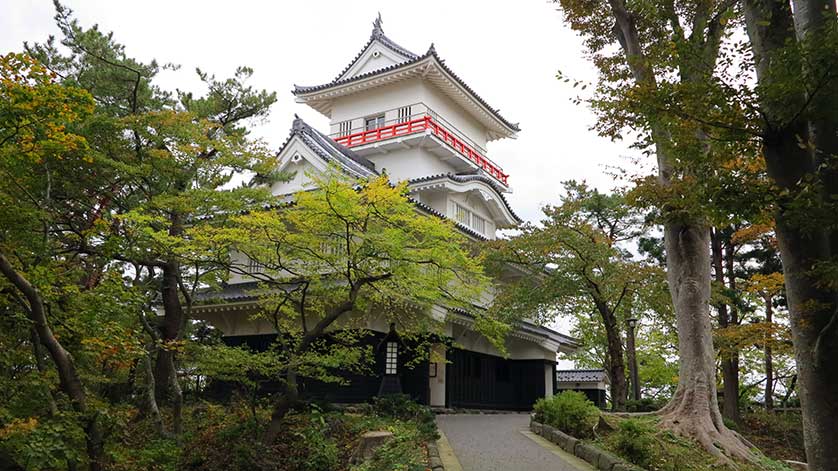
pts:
[462, 215]
[332, 246]
[404, 114]
[469, 219]
[392, 358]
[344, 128]
[478, 223]
[253, 266]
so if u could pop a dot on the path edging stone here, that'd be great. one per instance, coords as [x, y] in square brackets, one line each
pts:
[600, 459]
[434, 460]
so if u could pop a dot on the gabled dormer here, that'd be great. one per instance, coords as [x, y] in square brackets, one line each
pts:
[379, 52]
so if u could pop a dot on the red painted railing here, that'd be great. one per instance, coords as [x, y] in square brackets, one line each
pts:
[418, 125]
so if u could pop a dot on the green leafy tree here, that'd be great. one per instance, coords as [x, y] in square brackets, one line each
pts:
[46, 168]
[794, 47]
[657, 62]
[577, 262]
[338, 257]
[172, 161]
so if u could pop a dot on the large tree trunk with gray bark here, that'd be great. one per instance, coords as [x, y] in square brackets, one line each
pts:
[694, 410]
[813, 309]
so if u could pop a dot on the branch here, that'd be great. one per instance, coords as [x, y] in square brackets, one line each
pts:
[340, 310]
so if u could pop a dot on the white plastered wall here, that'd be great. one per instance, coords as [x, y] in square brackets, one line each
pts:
[404, 164]
[371, 102]
[374, 58]
[517, 349]
[437, 384]
[549, 377]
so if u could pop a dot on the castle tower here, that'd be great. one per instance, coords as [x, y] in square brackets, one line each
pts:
[408, 116]
[412, 117]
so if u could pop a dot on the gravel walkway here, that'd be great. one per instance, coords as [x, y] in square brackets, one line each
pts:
[495, 443]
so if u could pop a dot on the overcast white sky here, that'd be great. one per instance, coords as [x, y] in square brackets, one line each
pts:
[508, 51]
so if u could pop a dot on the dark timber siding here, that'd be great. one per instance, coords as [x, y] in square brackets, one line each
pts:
[476, 380]
[359, 387]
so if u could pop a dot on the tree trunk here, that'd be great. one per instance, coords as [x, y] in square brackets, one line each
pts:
[813, 310]
[729, 359]
[287, 402]
[150, 403]
[177, 399]
[631, 357]
[170, 328]
[694, 409]
[769, 361]
[616, 364]
[813, 325]
[730, 364]
[63, 360]
[39, 364]
[291, 398]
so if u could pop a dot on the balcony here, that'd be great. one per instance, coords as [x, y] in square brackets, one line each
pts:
[426, 122]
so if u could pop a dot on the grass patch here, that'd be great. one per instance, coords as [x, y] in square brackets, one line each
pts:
[641, 441]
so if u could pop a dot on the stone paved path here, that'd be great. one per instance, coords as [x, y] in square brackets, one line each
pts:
[494, 442]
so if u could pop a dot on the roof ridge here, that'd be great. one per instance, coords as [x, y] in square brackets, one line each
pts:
[376, 35]
[300, 89]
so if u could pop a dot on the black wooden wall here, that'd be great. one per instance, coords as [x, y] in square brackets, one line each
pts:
[480, 381]
[359, 387]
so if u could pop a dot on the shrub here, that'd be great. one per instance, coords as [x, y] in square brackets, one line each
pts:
[402, 407]
[571, 412]
[634, 442]
[643, 405]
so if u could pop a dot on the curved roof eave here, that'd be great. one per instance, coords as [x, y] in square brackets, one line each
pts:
[328, 150]
[464, 179]
[432, 58]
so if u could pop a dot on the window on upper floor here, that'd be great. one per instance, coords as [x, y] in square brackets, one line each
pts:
[253, 266]
[332, 247]
[344, 128]
[374, 122]
[467, 218]
[478, 223]
[462, 215]
[404, 114]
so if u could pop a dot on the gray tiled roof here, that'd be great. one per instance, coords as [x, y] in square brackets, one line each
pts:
[330, 150]
[234, 292]
[300, 89]
[378, 34]
[467, 177]
[581, 376]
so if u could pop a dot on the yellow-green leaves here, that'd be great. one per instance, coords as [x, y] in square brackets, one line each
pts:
[359, 241]
[35, 113]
